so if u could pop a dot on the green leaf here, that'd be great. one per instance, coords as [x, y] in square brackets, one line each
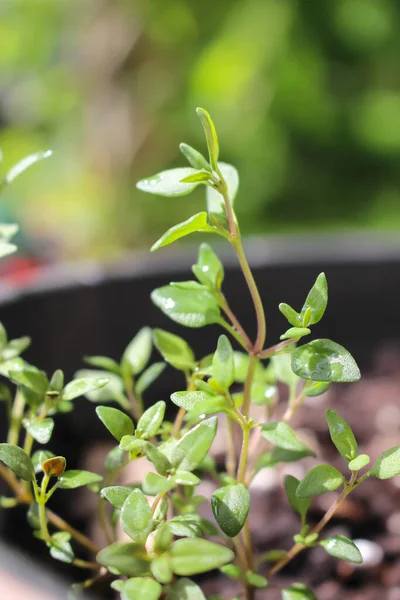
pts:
[113, 390]
[230, 506]
[60, 548]
[159, 460]
[104, 363]
[208, 269]
[76, 478]
[141, 587]
[12, 365]
[342, 435]
[295, 332]
[8, 231]
[359, 462]
[256, 580]
[195, 159]
[191, 556]
[324, 360]
[263, 394]
[209, 406]
[153, 484]
[117, 422]
[116, 495]
[138, 351]
[211, 136]
[315, 388]
[188, 400]
[129, 559]
[17, 461]
[223, 367]
[151, 420]
[192, 308]
[168, 183]
[160, 567]
[282, 435]
[16, 347]
[174, 350]
[387, 465]
[300, 505]
[31, 378]
[193, 447]
[57, 381]
[283, 369]
[185, 478]
[291, 315]
[298, 591]
[81, 387]
[136, 516]
[116, 585]
[41, 430]
[215, 202]
[241, 362]
[317, 300]
[148, 377]
[24, 164]
[341, 547]
[319, 480]
[114, 459]
[185, 589]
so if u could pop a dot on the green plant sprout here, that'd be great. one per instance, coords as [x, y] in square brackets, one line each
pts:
[168, 537]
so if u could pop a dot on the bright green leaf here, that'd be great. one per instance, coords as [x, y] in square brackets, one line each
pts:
[300, 505]
[116, 494]
[159, 460]
[298, 591]
[41, 430]
[324, 360]
[315, 388]
[185, 478]
[283, 370]
[113, 390]
[76, 478]
[359, 462]
[215, 202]
[191, 556]
[223, 367]
[241, 362]
[188, 400]
[174, 350]
[341, 547]
[60, 548]
[129, 559]
[160, 567]
[291, 315]
[114, 459]
[258, 581]
[81, 387]
[192, 308]
[230, 506]
[185, 589]
[342, 435]
[148, 377]
[138, 351]
[195, 159]
[151, 420]
[282, 435]
[387, 465]
[319, 480]
[317, 300]
[295, 332]
[136, 516]
[141, 587]
[153, 484]
[31, 378]
[193, 447]
[208, 269]
[168, 183]
[117, 422]
[211, 136]
[104, 363]
[17, 461]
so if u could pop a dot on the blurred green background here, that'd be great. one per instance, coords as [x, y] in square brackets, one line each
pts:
[305, 95]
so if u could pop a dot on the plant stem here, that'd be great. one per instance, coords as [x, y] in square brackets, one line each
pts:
[16, 418]
[235, 322]
[243, 455]
[223, 190]
[14, 484]
[255, 294]
[276, 348]
[75, 534]
[235, 334]
[84, 564]
[231, 452]
[297, 548]
[42, 509]
[248, 383]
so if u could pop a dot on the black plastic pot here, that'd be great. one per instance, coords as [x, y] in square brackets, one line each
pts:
[84, 309]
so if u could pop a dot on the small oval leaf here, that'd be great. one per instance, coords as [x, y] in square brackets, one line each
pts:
[324, 360]
[319, 480]
[194, 555]
[341, 547]
[230, 506]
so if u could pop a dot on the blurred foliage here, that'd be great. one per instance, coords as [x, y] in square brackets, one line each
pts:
[305, 95]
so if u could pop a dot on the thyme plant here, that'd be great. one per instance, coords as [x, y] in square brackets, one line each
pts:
[168, 541]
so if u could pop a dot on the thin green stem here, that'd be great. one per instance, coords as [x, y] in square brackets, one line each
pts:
[243, 455]
[231, 452]
[248, 384]
[223, 190]
[16, 419]
[42, 509]
[235, 334]
[255, 294]
[297, 548]
[235, 322]
[268, 352]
